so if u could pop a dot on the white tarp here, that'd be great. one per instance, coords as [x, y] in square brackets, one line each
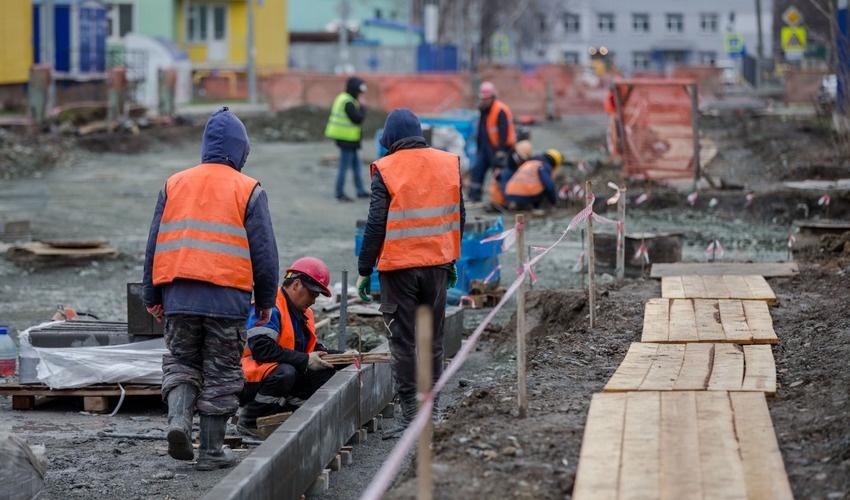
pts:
[23, 468]
[71, 367]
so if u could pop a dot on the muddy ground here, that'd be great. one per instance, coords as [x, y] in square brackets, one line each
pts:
[104, 186]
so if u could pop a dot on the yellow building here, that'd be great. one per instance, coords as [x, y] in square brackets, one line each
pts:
[15, 41]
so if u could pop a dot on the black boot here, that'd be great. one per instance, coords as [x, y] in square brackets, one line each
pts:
[213, 453]
[181, 406]
[408, 413]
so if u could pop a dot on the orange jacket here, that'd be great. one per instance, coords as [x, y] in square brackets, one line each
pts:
[423, 223]
[493, 124]
[526, 181]
[202, 233]
[256, 372]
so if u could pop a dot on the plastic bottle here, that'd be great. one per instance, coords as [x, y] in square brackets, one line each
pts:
[8, 353]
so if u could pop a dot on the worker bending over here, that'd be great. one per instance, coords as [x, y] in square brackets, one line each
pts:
[283, 360]
[534, 182]
[501, 175]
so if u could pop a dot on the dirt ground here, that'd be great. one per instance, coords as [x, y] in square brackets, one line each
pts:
[105, 186]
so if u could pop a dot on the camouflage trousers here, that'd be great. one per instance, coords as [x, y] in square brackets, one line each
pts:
[206, 353]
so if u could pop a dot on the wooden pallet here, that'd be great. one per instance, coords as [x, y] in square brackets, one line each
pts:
[708, 320]
[766, 269]
[96, 398]
[695, 367]
[687, 444]
[746, 287]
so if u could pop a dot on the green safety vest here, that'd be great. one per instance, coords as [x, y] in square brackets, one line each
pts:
[339, 126]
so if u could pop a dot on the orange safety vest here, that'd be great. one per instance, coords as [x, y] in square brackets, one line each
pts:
[526, 181]
[255, 371]
[423, 223]
[202, 232]
[493, 124]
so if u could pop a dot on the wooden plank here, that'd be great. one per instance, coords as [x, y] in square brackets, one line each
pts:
[759, 322]
[672, 287]
[760, 289]
[640, 462]
[707, 318]
[681, 476]
[682, 321]
[665, 368]
[632, 371]
[764, 471]
[656, 320]
[694, 287]
[696, 368]
[597, 475]
[715, 287]
[91, 390]
[759, 369]
[766, 269]
[734, 322]
[727, 373]
[720, 463]
[737, 286]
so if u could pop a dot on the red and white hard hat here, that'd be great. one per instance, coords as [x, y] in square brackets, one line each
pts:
[486, 89]
[313, 268]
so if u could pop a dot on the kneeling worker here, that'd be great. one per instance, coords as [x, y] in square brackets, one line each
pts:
[282, 359]
[534, 182]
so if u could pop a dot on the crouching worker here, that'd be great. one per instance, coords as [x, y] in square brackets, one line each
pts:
[501, 175]
[282, 360]
[534, 182]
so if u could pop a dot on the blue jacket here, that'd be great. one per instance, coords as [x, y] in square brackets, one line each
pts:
[225, 141]
[550, 191]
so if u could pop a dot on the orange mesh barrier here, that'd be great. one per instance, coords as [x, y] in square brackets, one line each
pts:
[657, 120]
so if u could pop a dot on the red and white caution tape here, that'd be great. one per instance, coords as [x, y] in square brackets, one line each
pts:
[642, 198]
[692, 198]
[749, 199]
[492, 273]
[715, 249]
[642, 252]
[614, 199]
[791, 240]
[577, 267]
[508, 238]
[824, 200]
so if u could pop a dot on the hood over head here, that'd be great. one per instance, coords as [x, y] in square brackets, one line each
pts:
[225, 140]
[355, 86]
[401, 124]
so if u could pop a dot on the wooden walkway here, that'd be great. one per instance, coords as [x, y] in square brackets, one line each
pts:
[685, 414]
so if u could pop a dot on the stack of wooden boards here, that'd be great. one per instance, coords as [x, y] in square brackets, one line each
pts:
[685, 414]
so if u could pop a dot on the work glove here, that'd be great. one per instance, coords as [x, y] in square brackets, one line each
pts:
[157, 312]
[452, 281]
[364, 285]
[315, 361]
[263, 316]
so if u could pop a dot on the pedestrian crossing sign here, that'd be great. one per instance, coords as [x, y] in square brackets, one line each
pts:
[793, 38]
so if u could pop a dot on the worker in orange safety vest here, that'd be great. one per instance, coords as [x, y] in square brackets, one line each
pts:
[501, 175]
[534, 182]
[282, 360]
[496, 138]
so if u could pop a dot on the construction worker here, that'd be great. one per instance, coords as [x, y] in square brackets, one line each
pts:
[345, 126]
[534, 182]
[496, 138]
[501, 175]
[211, 246]
[282, 360]
[413, 234]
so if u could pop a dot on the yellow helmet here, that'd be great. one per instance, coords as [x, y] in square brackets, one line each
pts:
[555, 155]
[524, 148]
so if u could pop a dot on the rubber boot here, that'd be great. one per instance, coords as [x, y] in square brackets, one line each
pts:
[213, 453]
[181, 406]
[408, 413]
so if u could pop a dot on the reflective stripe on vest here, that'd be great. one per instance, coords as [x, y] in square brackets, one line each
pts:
[493, 124]
[423, 223]
[202, 232]
[526, 181]
[340, 126]
[256, 372]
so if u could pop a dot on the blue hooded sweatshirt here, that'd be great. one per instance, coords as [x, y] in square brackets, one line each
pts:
[224, 142]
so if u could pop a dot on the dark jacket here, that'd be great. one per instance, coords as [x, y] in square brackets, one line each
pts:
[225, 141]
[355, 114]
[484, 140]
[550, 190]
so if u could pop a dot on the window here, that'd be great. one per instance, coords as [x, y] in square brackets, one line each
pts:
[119, 20]
[219, 22]
[640, 61]
[707, 58]
[640, 23]
[675, 23]
[201, 17]
[571, 23]
[605, 23]
[571, 57]
[708, 22]
[197, 23]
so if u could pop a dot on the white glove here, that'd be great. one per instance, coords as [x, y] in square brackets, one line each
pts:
[315, 361]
